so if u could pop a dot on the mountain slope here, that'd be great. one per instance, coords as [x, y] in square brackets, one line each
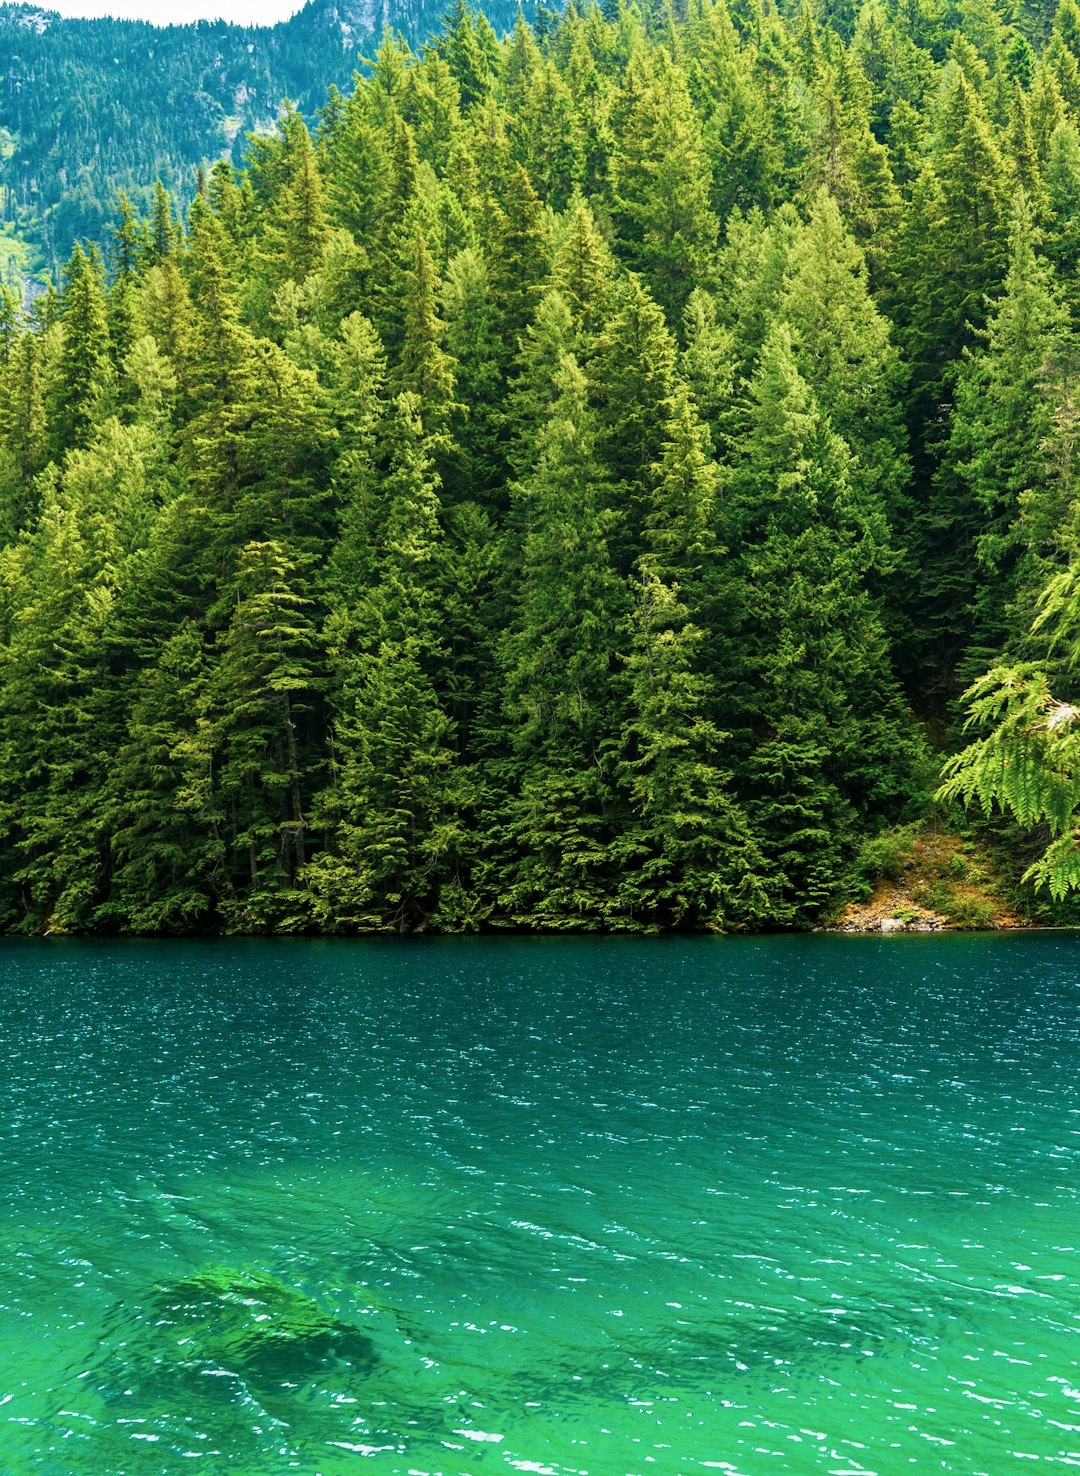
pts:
[88, 107]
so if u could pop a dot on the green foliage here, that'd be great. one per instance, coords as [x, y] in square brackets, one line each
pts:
[1027, 764]
[970, 913]
[509, 499]
[819, 711]
[885, 855]
[964, 910]
[560, 807]
[1006, 476]
[660, 188]
[1026, 759]
[395, 788]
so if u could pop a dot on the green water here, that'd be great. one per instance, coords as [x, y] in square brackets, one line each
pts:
[604, 1206]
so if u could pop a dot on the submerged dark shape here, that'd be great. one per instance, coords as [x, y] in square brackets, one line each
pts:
[253, 1325]
[212, 1349]
[789, 1342]
[813, 1339]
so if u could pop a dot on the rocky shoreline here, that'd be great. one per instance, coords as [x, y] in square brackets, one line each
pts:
[938, 886]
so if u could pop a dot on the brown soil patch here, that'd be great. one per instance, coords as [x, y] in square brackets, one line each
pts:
[935, 881]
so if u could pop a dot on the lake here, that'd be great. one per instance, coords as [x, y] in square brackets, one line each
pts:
[750, 1205]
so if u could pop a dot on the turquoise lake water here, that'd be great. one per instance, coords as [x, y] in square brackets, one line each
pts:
[571, 1206]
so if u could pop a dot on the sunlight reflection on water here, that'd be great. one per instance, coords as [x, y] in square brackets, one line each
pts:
[748, 1205]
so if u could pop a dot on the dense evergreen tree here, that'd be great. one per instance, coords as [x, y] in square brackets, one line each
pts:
[843, 349]
[561, 806]
[661, 188]
[395, 789]
[91, 107]
[809, 660]
[83, 374]
[1002, 456]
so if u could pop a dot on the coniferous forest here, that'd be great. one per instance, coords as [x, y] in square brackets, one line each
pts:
[570, 485]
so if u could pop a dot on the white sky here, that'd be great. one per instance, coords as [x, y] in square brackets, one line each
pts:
[169, 12]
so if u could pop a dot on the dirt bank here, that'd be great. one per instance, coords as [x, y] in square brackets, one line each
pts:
[930, 881]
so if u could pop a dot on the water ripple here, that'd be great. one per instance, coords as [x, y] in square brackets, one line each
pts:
[752, 1205]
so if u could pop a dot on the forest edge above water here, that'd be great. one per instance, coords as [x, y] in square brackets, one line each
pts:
[573, 487]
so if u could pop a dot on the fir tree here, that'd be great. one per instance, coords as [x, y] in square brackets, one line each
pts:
[552, 838]
[395, 793]
[660, 190]
[84, 374]
[843, 349]
[814, 710]
[424, 368]
[996, 479]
